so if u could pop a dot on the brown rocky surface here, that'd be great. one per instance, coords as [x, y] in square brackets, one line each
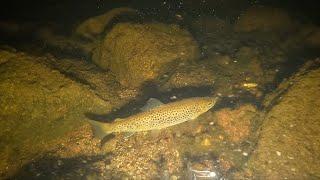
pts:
[289, 146]
[195, 75]
[137, 53]
[38, 106]
[236, 123]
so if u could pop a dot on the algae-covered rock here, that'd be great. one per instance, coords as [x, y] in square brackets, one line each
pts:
[263, 19]
[136, 53]
[194, 75]
[38, 105]
[289, 142]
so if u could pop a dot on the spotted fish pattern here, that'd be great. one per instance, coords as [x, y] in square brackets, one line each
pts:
[158, 117]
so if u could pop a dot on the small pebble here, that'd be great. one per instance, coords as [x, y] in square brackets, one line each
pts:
[278, 153]
[245, 153]
[290, 157]
[206, 142]
[173, 177]
[212, 174]
[173, 97]
[59, 163]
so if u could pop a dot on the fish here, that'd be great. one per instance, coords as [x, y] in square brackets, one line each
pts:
[156, 115]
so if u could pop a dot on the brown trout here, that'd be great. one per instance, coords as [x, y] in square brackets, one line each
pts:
[156, 115]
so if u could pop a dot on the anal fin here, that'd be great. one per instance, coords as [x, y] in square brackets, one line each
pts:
[128, 134]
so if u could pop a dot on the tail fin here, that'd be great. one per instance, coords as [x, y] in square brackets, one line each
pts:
[100, 130]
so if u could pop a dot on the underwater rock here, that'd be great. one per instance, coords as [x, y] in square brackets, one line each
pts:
[236, 123]
[103, 83]
[223, 60]
[263, 19]
[38, 106]
[245, 71]
[289, 140]
[195, 75]
[248, 59]
[94, 26]
[137, 53]
[225, 163]
[146, 157]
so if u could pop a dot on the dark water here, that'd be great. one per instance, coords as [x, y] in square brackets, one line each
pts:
[244, 68]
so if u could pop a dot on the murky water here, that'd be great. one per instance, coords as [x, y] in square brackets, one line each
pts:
[69, 62]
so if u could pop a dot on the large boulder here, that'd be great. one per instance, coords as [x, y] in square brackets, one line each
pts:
[289, 141]
[137, 53]
[38, 106]
[258, 18]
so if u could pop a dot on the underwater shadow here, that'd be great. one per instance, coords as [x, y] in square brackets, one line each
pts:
[81, 167]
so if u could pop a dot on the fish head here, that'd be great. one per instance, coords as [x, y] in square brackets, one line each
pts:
[207, 103]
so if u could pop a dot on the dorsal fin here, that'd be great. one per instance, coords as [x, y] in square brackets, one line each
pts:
[151, 103]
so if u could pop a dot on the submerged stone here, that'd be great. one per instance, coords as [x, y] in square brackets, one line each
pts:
[236, 123]
[137, 53]
[39, 105]
[289, 141]
[190, 75]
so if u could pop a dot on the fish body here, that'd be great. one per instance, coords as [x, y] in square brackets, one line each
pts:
[157, 116]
